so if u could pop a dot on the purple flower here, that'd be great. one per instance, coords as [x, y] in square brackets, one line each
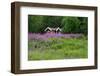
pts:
[38, 36]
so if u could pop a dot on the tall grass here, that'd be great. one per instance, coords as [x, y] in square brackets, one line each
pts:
[57, 48]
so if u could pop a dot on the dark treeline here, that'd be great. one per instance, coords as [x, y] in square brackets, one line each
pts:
[38, 23]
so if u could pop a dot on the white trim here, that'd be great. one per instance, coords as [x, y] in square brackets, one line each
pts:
[48, 28]
[52, 28]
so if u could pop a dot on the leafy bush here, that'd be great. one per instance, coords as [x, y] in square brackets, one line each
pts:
[70, 24]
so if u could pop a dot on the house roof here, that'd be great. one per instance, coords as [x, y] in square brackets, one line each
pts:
[52, 29]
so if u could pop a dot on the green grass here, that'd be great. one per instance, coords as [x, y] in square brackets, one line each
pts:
[57, 48]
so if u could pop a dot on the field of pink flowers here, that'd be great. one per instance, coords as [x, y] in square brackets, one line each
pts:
[32, 36]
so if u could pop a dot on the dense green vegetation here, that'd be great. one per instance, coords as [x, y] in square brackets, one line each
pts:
[58, 48]
[37, 23]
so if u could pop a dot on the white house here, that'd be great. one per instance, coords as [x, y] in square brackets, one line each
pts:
[53, 30]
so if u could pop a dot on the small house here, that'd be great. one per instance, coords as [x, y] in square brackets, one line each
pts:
[52, 30]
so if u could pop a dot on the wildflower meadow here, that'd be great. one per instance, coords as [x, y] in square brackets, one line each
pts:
[70, 41]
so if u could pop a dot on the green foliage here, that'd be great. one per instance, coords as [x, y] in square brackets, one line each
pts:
[58, 48]
[52, 21]
[38, 23]
[83, 28]
[70, 24]
[35, 23]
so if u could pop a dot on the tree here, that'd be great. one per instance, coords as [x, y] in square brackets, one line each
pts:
[83, 25]
[35, 23]
[70, 25]
[38, 23]
[52, 21]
